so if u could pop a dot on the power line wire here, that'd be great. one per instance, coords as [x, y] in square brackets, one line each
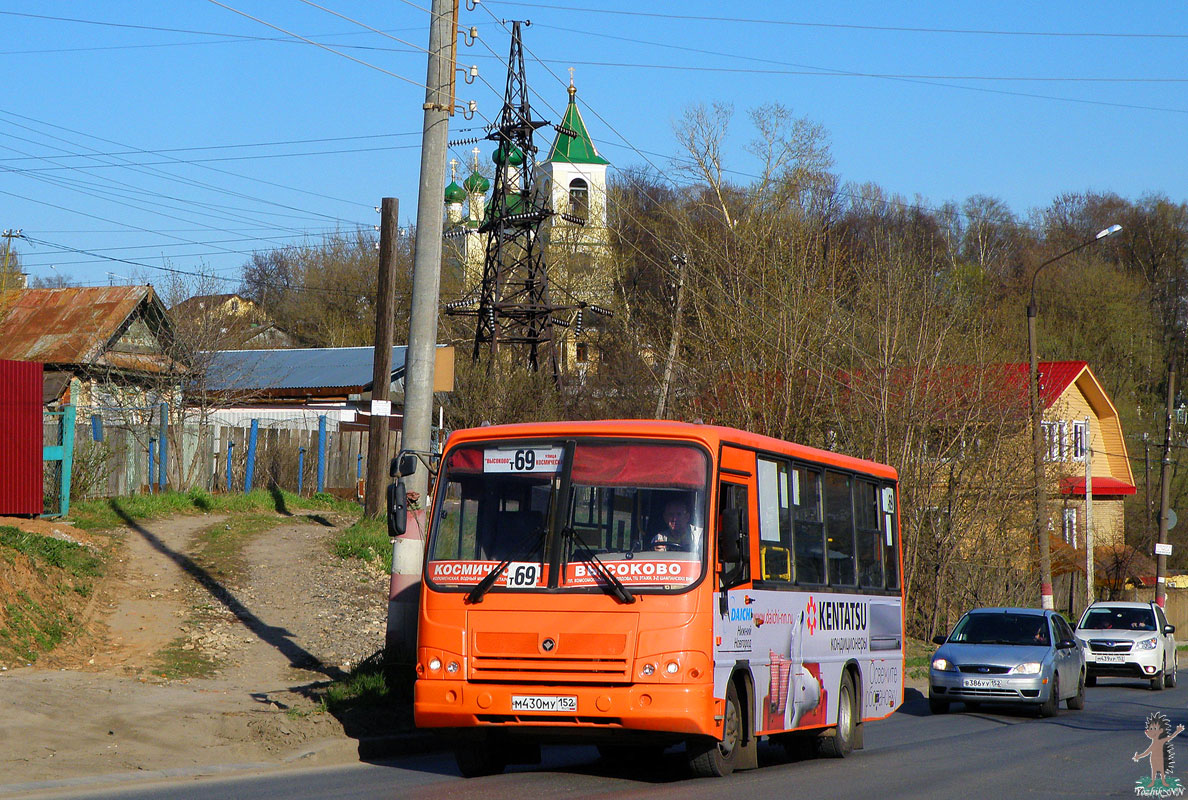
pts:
[845, 26]
[319, 44]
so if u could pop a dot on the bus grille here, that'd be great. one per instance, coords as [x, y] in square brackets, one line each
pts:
[531, 669]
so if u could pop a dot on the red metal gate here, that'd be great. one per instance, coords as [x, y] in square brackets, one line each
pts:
[20, 438]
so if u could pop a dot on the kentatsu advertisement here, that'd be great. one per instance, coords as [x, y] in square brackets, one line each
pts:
[796, 644]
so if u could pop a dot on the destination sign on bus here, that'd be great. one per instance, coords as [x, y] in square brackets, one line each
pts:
[522, 459]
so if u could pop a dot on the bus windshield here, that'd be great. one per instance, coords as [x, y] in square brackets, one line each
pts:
[635, 510]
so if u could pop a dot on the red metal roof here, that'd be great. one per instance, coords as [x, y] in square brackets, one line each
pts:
[1102, 487]
[72, 325]
[1054, 377]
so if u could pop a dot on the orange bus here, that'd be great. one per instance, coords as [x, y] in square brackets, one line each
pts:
[641, 584]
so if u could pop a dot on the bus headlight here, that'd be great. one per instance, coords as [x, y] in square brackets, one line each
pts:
[672, 668]
[648, 669]
[434, 664]
[452, 667]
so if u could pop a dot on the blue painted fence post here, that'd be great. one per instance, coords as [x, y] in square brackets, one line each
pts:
[163, 464]
[251, 455]
[152, 476]
[68, 412]
[96, 428]
[300, 467]
[321, 453]
[230, 447]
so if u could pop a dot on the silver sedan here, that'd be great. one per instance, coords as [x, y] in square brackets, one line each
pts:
[1008, 655]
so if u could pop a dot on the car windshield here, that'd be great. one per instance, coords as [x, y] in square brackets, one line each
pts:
[638, 508]
[1105, 618]
[1002, 628]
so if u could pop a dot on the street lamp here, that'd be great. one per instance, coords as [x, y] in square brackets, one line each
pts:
[1037, 438]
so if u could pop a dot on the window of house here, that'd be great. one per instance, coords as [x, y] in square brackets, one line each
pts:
[1053, 433]
[1069, 528]
[1079, 440]
[579, 197]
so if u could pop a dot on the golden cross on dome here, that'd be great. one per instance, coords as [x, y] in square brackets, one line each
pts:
[571, 76]
[453, 168]
[476, 155]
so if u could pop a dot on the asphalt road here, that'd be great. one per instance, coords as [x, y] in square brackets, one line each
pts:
[994, 753]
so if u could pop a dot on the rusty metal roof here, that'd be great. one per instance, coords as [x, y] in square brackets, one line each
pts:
[72, 325]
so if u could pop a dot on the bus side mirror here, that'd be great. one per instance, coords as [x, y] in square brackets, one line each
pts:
[403, 465]
[729, 534]
[397, 509]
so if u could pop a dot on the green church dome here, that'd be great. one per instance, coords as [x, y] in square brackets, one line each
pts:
[476, 183]
[515, 158]
[454, 193]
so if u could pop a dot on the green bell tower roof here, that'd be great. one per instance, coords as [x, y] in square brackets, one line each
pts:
[574, 149]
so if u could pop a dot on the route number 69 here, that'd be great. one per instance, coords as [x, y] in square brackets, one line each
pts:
[523, 574]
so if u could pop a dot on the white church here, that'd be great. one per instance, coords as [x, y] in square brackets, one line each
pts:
[578, 256]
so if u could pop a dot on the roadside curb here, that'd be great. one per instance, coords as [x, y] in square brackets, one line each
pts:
[401, 744]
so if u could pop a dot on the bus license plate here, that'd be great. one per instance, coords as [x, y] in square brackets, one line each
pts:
[1111, 659]
[536, 702]
[981, 683]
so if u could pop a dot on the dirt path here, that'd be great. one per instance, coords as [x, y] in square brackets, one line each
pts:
[295, 619]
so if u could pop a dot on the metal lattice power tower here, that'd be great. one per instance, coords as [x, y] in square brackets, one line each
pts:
[513, 298]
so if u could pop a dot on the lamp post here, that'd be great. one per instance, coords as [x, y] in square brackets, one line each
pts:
[1037, 437]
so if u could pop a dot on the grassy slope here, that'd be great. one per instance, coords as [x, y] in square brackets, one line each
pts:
[46, 583]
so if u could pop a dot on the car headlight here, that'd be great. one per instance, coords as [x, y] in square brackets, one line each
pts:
[1147, 644]
[1027, 668]
[943, 665]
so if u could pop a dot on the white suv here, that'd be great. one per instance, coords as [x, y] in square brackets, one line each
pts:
[1131, 640]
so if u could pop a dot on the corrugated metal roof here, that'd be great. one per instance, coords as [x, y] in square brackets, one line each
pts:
[64, 326]
[1055, 377]
[306, 368]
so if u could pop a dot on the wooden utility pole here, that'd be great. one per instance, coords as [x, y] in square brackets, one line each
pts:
[1089, 565]
[1165, 483]
[381, 375]
[662, 401]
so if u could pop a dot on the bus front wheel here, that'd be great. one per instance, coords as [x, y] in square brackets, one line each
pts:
[841, 743]
[709, 758]
[477, 758]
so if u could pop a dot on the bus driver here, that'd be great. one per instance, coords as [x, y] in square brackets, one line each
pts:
[677, 534]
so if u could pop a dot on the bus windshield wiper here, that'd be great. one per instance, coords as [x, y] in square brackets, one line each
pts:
[484, 586]
[616, 586]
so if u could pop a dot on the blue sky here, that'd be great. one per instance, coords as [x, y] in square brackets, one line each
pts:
[208, 135]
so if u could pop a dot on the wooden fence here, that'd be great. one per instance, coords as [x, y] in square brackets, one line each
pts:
[119, 462]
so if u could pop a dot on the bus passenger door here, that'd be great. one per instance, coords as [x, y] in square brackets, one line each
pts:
[732, 573]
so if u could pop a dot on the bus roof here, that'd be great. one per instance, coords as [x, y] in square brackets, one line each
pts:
[710, 435]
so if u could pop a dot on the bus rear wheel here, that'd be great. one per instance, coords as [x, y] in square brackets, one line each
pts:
[709, 758]
[477, 758]
[841, 743]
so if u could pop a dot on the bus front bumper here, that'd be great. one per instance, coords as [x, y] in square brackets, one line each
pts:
[680, 708]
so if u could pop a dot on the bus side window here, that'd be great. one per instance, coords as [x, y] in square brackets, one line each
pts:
[870, 535]
[890, 532]
[809, 538]
[839, 528]
[775, 521]
[732, 502]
